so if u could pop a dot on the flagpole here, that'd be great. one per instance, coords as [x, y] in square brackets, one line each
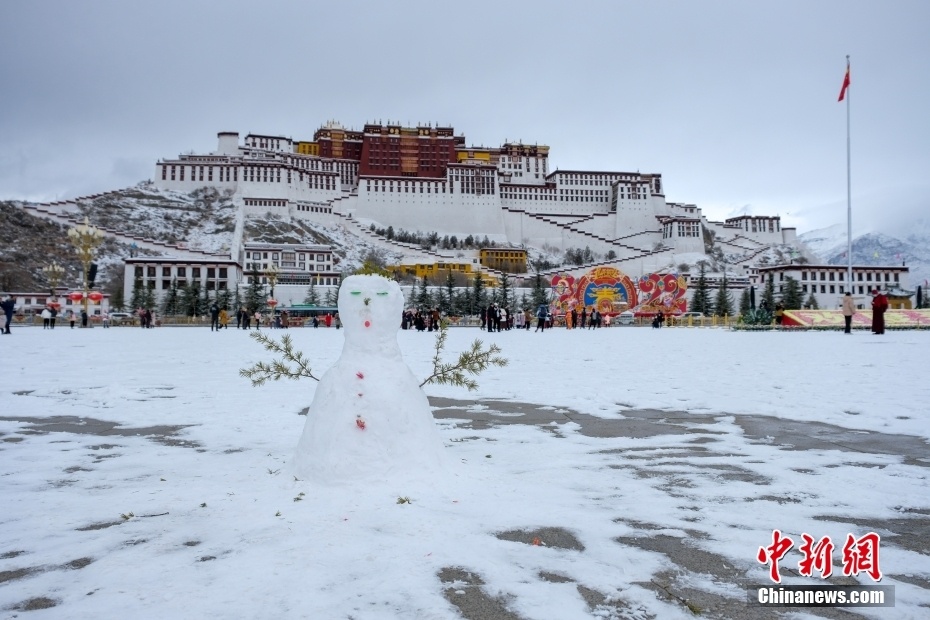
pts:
[849, 269]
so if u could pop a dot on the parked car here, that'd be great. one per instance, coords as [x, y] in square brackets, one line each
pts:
[119, 317]
[694, 316]
[626, 318]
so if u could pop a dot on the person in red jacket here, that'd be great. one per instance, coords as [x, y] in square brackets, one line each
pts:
[879, 305]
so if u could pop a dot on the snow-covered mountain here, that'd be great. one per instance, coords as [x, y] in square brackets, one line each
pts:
[874, 248]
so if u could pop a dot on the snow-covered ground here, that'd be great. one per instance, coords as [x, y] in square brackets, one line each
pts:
[206, 521]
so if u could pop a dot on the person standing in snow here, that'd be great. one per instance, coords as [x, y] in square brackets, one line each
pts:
[8, 305]
[224, 319]
[849, 309]
[879, 306]
[46, 317]
[214, 317]
[542, 313]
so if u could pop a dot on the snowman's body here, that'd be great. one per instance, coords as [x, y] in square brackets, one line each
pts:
[369, 419]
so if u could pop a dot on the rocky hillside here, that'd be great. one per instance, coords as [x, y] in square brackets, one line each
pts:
[29, 243]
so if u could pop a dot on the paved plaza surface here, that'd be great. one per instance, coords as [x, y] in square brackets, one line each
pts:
[677, 449]
[692, 440]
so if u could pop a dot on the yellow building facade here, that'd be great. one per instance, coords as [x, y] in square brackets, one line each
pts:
[510, 260]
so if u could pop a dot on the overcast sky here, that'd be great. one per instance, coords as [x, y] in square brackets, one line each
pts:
[733, 102]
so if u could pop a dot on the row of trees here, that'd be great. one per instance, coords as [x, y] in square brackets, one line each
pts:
[719, 303]
[191, 299]
[432, 239]
[459, 301]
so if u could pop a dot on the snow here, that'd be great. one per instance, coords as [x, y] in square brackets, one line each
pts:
[216, 525]
[369, 419]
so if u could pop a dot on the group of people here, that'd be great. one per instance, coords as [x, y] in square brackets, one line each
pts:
[421, 320]
[146, 318]
[879, 307]
[219, 319]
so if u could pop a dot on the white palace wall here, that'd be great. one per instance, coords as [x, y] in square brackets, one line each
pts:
[511, 201]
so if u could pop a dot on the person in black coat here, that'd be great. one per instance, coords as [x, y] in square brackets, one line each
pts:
[8, 305]
[214, 317]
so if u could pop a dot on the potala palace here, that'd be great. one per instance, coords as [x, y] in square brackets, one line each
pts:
[426, 178]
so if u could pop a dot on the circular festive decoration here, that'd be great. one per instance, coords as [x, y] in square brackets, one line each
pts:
[95, 296]
[272, 302]
[76, 296]
[367, 323]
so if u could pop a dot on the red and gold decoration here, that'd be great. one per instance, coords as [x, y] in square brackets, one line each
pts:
[611, 291]
[606, 288]
[663, 292]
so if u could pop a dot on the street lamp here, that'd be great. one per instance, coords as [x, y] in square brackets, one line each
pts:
[272, 274]
[53, 273]
[85, 239]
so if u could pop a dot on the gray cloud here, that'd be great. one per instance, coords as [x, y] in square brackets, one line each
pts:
[733, 102]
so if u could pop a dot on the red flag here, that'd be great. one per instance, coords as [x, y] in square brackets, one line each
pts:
[845, 83]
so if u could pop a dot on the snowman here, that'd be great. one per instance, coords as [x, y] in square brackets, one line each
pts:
[369, 419]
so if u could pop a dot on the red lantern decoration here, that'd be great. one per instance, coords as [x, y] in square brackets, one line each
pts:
[95, 296]
[272, 303]
[76, 296]
[54, 304]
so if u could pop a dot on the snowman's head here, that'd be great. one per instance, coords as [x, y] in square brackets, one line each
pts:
[370, 308]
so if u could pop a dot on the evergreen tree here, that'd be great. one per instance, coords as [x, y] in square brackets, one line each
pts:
[170, 305]
[506, 291]
[700, 299]
[137, 300]
[189, 299]
[745, 304]
[236, 300]
[768, 295]
[313, 296]
[478, 296]
[723, 304]
[203, 306]
[224, 299]
[540, 293]
[450, 293]
[148, 297]
[811, 303]
[424, 300]
[254, 294]
[442, 301]
[332, 296]
[792, 298]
